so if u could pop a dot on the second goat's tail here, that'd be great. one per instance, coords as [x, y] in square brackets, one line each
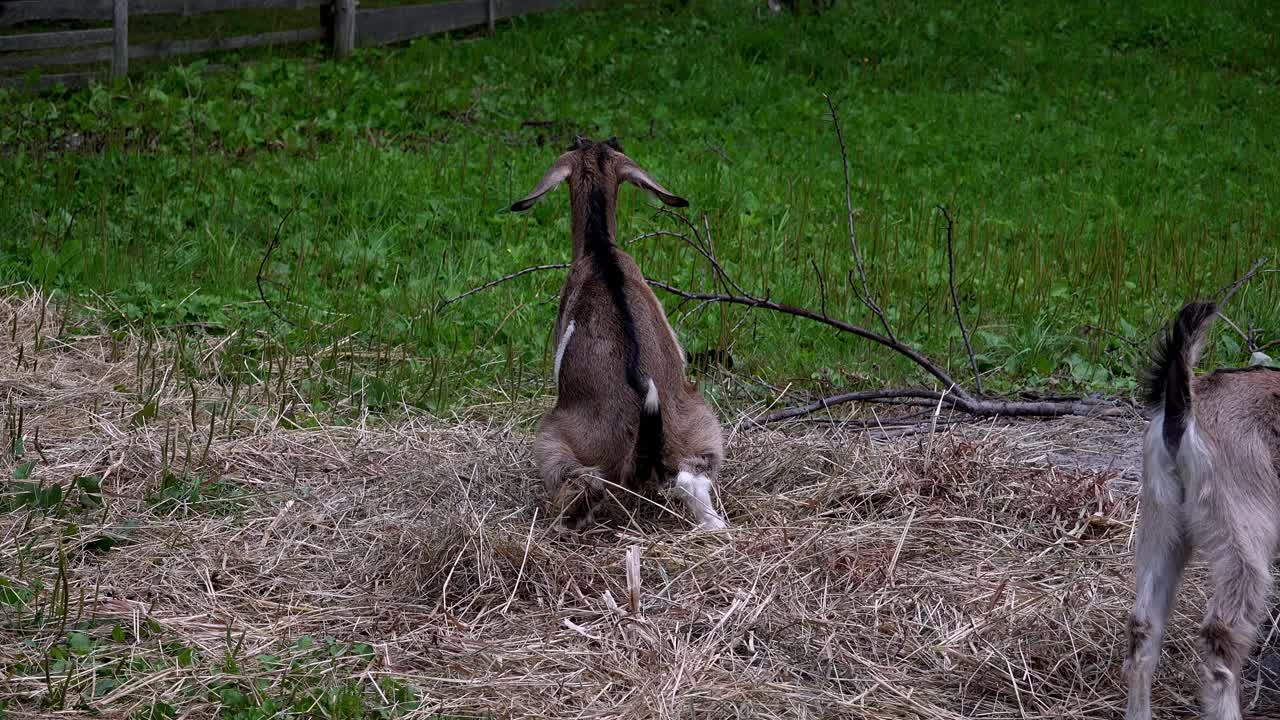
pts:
[1167, 383]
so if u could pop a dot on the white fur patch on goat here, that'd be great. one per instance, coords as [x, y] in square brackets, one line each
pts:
[564, 345]
[651, 399]
[696, 491]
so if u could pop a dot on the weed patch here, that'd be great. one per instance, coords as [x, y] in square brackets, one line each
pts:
[1102, 166]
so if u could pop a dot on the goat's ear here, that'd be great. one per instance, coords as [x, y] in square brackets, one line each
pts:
[632, 173]
[551, 179]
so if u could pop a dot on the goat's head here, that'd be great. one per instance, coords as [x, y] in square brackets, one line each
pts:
[592, 165]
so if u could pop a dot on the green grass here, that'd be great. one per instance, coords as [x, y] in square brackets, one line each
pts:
[1103, 164]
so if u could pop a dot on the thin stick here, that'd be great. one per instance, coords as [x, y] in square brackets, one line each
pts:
[704, 249]
[520, 574]
[752, 301]
[266, 258]
[822, 285]
[1231, 291]
[1246, 336]
[865, 294]
[860, 396]
[534, 268]
[955, 301]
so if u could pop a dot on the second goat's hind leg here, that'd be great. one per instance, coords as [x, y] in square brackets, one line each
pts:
[1241, 579]
[573, 489]
[1238, 547]
[1162, 551]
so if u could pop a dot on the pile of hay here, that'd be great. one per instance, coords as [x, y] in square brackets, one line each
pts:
[980, 571]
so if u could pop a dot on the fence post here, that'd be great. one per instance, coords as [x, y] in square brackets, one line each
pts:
[493, 11]
[120, 40]
[344, 27]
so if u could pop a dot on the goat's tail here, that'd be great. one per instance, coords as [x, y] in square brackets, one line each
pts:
[649, 439]
[1167, 383]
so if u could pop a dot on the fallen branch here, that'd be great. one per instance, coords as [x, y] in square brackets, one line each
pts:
[955, 397]
[755, 302]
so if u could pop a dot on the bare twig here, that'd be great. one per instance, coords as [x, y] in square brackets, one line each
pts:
[1227, 293]
[865, 293]
[266, 258]
[704, 248]
[955, 301]
[972, 406]
[822, 285]
[752, 301]
[444, 302]
[955, 396]
[862, 396]
[1247, 337]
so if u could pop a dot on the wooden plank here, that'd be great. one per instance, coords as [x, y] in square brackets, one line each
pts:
[239, 42]
[344, 27]
[45, 41]
[71, 57]
[199, 7]
[388, 25]
[172, 47]
[19, 11]
[47, 82]
[120, 40]
[516, 8]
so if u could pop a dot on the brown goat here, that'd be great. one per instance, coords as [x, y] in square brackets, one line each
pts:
[625, 414]
[1211, 458]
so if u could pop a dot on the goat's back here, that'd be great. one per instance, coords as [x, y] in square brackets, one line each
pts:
[1237, 414]
[594, 397]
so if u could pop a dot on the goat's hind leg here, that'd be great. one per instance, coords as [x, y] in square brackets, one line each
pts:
[697, 468]
[1239, 549]
[573, 489]
[1163, 547]
[694, 487]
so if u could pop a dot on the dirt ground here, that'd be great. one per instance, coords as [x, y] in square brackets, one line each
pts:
[979, 571]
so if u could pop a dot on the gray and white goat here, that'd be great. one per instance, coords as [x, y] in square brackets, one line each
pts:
[625, 414]
[1211, 458]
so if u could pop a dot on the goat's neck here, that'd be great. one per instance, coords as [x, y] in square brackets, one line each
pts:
[594, 221]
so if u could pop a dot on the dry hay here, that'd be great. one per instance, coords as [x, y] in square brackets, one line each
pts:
[947, 575]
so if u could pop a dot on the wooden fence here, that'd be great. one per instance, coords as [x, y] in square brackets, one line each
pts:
[343, 25]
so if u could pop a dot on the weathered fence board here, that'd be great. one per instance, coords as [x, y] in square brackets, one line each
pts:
[120, 42]
[388, 25]
[46, 41]
[344, 27]
[514, 8]
[47, 81]
[71, 57]
[240, 42]
[172, 47]
[18, 11]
